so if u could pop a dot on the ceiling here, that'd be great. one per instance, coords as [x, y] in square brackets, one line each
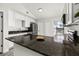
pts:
[50, 10]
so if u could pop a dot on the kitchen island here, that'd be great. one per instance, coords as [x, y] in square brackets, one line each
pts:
[48, 47]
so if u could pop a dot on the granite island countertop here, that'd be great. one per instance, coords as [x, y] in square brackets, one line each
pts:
[48, 47]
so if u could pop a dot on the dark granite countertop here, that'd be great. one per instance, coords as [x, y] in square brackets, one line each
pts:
[19, 31]
[48, 47]
[70, 48]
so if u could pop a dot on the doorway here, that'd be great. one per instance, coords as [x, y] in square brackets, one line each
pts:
[1, 32]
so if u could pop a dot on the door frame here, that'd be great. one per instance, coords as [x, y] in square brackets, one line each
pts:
[2, 11]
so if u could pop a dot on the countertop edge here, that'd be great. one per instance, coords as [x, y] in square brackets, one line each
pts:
[29, 48]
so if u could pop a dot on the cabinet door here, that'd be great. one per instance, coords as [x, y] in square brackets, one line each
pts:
[27, 22]
[32, 20]
[11, 20]
[19, 16]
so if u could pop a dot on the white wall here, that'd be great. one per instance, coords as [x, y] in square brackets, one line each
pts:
[50, 29]
[47, 27]
[5, 7]
[41, 28]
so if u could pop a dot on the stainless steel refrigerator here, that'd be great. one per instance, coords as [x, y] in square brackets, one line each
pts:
[34, 28]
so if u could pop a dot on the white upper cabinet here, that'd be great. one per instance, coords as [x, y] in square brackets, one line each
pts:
[11, 19]
[15, 19]
[32, 20]
[19, 16]
[27, 22]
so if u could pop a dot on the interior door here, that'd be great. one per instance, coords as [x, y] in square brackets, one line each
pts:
[1, 31]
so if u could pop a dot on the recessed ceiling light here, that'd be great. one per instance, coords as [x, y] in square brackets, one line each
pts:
[40, 9]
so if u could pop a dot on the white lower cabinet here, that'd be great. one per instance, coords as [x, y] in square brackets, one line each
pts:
[23, 51]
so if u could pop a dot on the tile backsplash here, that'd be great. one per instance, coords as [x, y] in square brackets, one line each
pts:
[16, 29]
